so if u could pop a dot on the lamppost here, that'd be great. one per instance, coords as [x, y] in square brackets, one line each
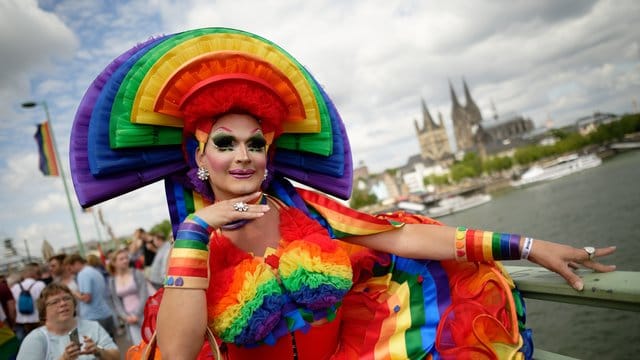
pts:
[32, 104]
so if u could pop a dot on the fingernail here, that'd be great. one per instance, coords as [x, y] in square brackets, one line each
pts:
[578, 285]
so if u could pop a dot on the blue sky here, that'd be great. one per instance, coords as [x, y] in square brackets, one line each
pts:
[377, 59]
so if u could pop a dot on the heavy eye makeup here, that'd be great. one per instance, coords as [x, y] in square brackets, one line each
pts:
[225, 142]
[256, 143]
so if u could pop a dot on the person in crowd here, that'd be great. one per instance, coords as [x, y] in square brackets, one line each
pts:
[7, 302]
[53, 340]
[92, 293]
[136, 251]
[279, 272]
[149, 252]
[8, 341]
[159, 265]
[56, 266]
[129, 291]
[45, 274]
[68, 278]
[26, 322]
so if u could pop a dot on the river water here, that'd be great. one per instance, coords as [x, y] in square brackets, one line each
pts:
[599, 207]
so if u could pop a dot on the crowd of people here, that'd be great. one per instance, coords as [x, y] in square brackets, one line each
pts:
[100, 298]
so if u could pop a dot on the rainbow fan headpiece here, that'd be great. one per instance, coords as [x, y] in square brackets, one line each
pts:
[128, 131]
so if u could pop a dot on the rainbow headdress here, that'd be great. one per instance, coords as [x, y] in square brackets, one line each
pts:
[130, 127]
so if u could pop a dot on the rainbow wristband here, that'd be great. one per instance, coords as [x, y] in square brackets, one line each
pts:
[478, 245]
[188, 262]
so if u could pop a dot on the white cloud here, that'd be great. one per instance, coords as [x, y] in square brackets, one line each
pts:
[20, 169]
[52, 202]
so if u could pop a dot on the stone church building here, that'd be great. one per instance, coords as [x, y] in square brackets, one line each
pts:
[471, 131]
[432, 136]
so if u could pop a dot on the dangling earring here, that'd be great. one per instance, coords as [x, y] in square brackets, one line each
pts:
[203, 174]
[266, 173]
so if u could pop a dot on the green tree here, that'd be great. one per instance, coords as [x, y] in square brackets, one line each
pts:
[360, 198]
[559, 134]
[163, 227]
[469, 167]
[497, 163]
[436, 180]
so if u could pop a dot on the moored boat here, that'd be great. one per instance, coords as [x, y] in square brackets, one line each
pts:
[457, 203]
[560, 167]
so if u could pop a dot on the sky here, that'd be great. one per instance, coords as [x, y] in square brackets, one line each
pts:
[547, 60]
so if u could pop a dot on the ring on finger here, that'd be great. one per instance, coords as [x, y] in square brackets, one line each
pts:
[241, 206]
[591, 251]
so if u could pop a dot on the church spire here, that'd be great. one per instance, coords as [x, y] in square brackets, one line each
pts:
[467, 94]
[473, 112]
[454, 97]
[427, 120]
[469, 103]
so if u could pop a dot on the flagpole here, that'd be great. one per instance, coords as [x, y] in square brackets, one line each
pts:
[31, 104]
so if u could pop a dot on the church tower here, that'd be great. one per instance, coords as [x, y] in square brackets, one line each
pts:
[472, 110]
[434, 143]
[462, 126]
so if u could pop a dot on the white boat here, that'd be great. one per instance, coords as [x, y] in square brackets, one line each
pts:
[411, 207]
[560, 167]
[457, 203]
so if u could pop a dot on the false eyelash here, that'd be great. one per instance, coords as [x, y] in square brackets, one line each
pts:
[223, 142]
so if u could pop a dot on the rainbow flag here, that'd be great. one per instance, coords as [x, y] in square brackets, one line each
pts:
[44, 139]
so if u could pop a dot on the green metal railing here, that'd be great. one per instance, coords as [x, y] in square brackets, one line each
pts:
[615, 290]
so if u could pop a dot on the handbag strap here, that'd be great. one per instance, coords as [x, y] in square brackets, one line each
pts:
[150, 350]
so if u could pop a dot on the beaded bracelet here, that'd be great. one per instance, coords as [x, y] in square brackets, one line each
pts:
[478, 245]
[188, 262]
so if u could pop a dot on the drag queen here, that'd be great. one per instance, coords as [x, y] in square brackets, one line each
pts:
[273, 270]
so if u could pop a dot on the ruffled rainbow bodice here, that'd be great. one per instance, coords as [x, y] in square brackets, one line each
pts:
[255, 300]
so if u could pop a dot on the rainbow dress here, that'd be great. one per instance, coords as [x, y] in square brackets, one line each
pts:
[315, 297]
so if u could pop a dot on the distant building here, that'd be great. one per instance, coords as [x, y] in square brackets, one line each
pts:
[384, 186]
[466, 119]
[432, 136]
[413, 173]
[589, 124]
[506, 128]
[487, 137]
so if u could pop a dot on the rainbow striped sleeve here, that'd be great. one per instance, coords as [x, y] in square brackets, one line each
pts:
[343, 220]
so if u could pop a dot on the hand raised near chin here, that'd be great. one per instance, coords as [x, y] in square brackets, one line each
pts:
[226, 211]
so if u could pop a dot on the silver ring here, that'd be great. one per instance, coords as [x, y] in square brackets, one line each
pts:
[591, 251]
[241, 206]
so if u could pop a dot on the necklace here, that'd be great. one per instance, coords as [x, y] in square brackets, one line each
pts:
[242, 222]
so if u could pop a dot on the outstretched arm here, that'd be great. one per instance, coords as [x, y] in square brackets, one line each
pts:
[435, 242]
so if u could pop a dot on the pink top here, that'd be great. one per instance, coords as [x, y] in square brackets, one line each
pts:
[128, 293]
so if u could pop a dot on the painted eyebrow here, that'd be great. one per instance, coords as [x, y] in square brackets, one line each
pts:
[223, 128]
[256, 130]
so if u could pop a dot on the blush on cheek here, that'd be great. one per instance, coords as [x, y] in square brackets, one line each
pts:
[218, 163]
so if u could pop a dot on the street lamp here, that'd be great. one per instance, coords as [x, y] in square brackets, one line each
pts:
[32, 104]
